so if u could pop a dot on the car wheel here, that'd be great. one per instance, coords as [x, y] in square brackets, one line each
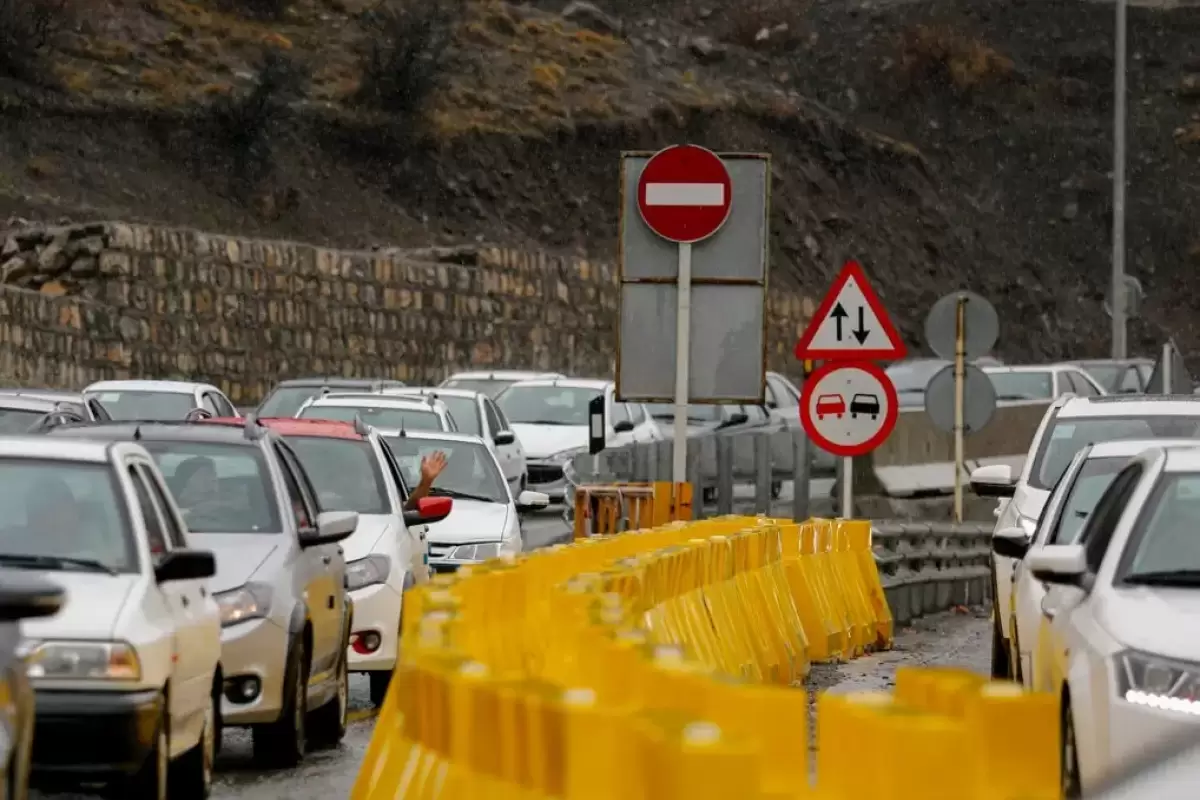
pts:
[1001, 668]
[150, 781]
[1069, 759]
[328, 723]
[192, 775]
[380, 680]
[282, 743]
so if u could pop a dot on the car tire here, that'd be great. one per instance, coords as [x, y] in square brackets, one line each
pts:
[380, 681]
[150, 782]
[283, 743]
[192, 774]
[1069, 756]
[1001, 668]
[327, 724]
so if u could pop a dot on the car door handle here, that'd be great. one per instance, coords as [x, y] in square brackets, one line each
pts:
[185, 601]
[326, 559]
[330, 601]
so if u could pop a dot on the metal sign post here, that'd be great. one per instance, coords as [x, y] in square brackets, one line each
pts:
[960, 360]
[683, 331]
[1168, 362]
[847, 509]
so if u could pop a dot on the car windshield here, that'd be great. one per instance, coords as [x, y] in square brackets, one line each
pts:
[1023, 385]
[1164, 547]
[410, 419]
[285, 401]
[145, 405]
[220, 488]
[489, 386]
[18, 420]
[63, 515]
[1105, 374]
[345, 473]
[470, 472]
[1090, 482]
[547, 405]
[1068, 436]
[695, 412]
[465, 411]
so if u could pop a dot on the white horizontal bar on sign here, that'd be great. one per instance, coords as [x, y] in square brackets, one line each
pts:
[685, 194]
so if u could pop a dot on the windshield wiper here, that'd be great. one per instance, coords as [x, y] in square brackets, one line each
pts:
[440, 492]
[1166, 577]
[54, 562]
[549, 422]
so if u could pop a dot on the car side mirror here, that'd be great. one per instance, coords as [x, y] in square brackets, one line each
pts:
[1011, 543]
[532, 501]
[1061, 564]
[994, 480]
[28, 597]
[624, 426]
[504, 437]
[429, 510]
[185, 565]
[332, 527]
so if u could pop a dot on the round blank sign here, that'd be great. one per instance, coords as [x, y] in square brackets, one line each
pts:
[981, 326]
[979, 399]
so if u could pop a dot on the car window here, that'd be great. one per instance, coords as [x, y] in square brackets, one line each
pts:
[470, 471]
[1090, 482]
[151, 516]
[1080, 384]
[285, 401]
[208, 402]
[1132, 381]
[620, 413]
[344, 472]
[637, 413]
[412, 419]
[1098, 529]
[755, 415]
[225, 407]
[1022, 385]
[170, 525]
[781, 394]
[301, 510]
[18, 420]
[1165, 538]
[307, 491]
[145, 406]
[499, 412]
[495, 425]
[465, 411]
[219, 488]
[394, 470]
[1067, 436]
[547, 405]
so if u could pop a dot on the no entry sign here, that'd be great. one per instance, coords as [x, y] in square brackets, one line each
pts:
[684, 193]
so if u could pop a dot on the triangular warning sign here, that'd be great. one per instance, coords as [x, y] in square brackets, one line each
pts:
[851, 323]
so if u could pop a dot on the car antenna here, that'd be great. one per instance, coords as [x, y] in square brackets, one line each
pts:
[137, 433]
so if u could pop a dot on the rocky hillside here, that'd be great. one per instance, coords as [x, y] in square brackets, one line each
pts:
[943, 143]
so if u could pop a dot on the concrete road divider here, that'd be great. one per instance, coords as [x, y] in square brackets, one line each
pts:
[928, 567]
[665, 663]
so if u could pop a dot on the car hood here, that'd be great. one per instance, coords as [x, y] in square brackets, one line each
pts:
[540, 441]
[239, 555]
[91, 609]
[371, 528]
[471, 521]
[1149, 619]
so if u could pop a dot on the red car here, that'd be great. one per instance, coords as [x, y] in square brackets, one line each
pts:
[830, 404]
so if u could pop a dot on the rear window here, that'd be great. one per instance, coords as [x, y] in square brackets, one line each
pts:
[1022, 385]
[286, 401]
[1067, 436]
[345, 473]
[145, 406]
[412, 419]
[486, 386]
[220, 488]
[1090, 482]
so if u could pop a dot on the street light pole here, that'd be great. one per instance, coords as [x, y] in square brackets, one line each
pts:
[1119, 306]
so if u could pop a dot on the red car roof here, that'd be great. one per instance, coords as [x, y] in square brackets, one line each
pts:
[291, 426]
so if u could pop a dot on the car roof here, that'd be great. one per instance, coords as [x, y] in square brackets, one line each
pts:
[45, 394]
[119, 431]
[1132, 405]
[374, 400]
[305, 426]
[432, 391]
[1083, 362]
[41, 446]
[998, 368]
[349, 383]
[18, 402]
[505, 374]
[448, 436]
[174, 387]
[1133, 447]
[568, 383]
[1183, 459]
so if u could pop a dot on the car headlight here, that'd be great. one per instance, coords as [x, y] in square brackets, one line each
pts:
[475, 552]
[1158, 682]
[367, 571]
[563, 456]
[252, 601]
[69, 660]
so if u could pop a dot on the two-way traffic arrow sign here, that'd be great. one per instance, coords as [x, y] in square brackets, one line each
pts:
[830, 335]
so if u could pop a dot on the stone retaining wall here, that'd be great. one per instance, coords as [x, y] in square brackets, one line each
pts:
[113, 300]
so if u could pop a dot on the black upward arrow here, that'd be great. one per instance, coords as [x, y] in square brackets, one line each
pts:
[860, 333]
[838, 315]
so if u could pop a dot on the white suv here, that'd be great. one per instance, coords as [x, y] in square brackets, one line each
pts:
[127, 676]
[1070, 424]
[381, 411]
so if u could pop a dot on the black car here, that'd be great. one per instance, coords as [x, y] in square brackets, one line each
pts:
[285, 399]
[22, 596]
[864, 404]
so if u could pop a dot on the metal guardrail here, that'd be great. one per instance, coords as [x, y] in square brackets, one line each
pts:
[930, 567]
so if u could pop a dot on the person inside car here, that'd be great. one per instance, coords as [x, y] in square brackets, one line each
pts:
[195, 482]
[432, 465]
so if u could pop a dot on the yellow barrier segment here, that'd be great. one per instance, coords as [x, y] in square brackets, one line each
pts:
[661, 664]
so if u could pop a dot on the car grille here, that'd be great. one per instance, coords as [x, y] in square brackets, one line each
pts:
[444, 567]
[544, 473]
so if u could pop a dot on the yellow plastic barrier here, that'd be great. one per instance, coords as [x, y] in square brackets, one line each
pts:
[608, 508]
[667, 663]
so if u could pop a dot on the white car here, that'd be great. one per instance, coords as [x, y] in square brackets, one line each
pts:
[550, 418]
[477, 414]
[127, 675]
[1070, 423]
[493, 382]
[485, 522]
[1062, 520]
[158, 401]
[381, 411]
[1041, 382]
[1123, 607]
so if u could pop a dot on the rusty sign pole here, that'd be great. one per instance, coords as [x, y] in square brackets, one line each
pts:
[960, 358]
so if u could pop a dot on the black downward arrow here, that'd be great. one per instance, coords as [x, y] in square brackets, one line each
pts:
[838, 315]
[860, 333]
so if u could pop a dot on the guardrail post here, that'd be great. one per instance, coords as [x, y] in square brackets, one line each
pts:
[695, 479]
[800, 480]
[724, 476]
[762, 474]
[641, 466]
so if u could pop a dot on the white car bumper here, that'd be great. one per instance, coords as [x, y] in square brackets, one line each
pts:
[376, 608]
[1134, 730]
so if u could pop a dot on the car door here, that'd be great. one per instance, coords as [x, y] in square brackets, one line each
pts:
[505, 453]
[189, 679]
[418, 534]
[322, 585]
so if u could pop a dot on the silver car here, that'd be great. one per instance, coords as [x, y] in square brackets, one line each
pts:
[280, 581]
[158, 400]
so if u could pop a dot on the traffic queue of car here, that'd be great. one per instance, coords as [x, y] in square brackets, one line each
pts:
[1096, 570]
[171, 566]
